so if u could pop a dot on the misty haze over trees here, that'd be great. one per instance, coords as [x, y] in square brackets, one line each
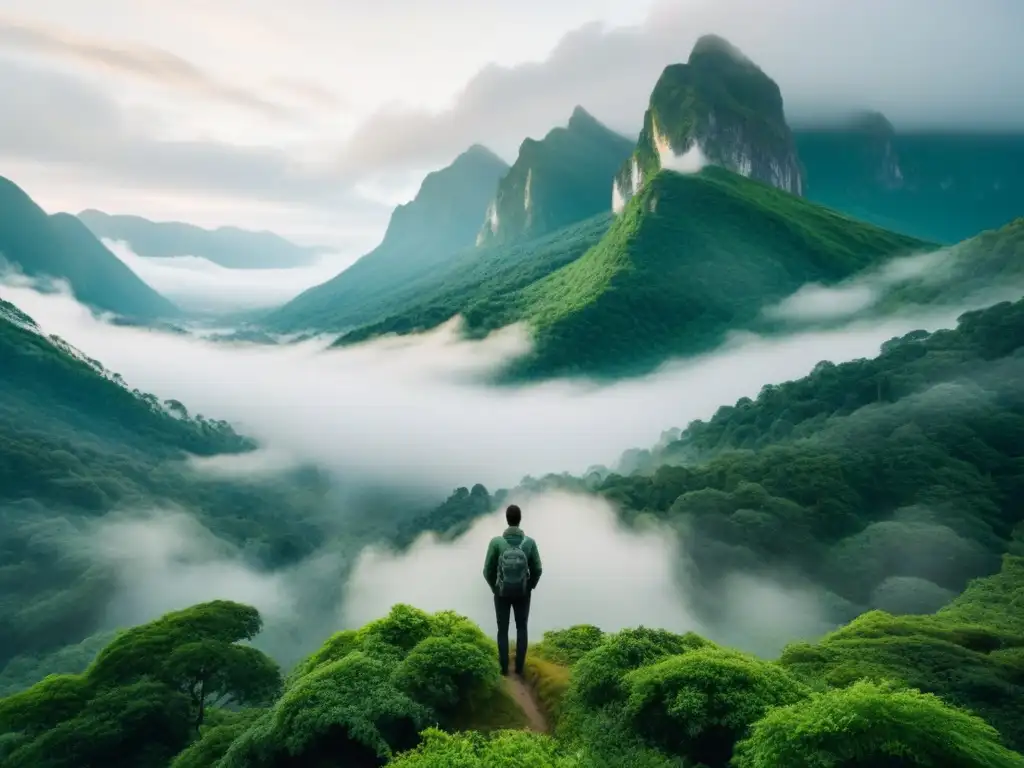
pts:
[754, 381]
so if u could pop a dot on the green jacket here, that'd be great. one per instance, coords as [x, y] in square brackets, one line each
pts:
[511, 536]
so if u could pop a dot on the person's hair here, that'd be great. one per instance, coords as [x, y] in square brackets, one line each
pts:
[513, 514]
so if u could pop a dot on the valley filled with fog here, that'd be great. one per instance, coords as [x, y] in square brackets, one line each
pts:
[417, 415]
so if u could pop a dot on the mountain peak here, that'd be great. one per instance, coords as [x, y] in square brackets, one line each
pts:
[721, 109]
[555, 181]
[710, 46]
[447, 202]
[581, 118]
[479, 152]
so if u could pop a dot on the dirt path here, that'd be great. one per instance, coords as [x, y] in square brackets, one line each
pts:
[524, 698]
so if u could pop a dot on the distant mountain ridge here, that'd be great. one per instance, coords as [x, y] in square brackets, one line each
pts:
[60, 246]
[556, 181]
[228, 246]
[942, 186]
[720, 108]
[441, 220]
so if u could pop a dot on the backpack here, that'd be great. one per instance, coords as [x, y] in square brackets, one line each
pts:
[513, 571]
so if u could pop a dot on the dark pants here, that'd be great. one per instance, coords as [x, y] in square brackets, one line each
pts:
[520, 606]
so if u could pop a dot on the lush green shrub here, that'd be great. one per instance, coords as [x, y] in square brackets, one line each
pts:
[141, 725]
[445, 673]
[216, 739]
[346, 710]
[699, 704]
[515, 749]
[567, 646]
[870, 725]
[598, 675]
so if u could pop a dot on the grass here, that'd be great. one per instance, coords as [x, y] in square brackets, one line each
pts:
[549, 682]
[499, 711]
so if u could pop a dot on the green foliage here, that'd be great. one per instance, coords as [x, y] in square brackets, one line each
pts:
[215, 740]
[973, 665]
[43, 706]
[567, 646]
[141, 725]
[904, 466]
[481, 284]
[515, 749]
[598, 677]
[445, 674]
[873, 725]
[346, 710]
[698, 705]
[196, 651]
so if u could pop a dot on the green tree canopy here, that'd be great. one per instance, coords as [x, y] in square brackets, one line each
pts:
[870, 725]
[699, 704]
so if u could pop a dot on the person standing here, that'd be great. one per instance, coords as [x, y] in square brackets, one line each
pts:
[512, 569]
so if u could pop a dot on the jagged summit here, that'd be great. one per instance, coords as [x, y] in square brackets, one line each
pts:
[439, 211]
[719, 108]
[555, 181]
[714, 45]
[583, 120]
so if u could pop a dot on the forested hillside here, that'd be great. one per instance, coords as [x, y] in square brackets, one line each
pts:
[690, 258]
[60, 246]
[78, 446]
[419, 690]
[944, 186]
[888, 482]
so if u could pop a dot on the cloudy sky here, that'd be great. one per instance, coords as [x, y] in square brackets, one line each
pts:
[315, 117]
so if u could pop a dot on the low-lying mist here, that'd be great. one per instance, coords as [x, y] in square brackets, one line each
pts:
[595, 571]
[415, 412]
[416, 407]
[198, 285]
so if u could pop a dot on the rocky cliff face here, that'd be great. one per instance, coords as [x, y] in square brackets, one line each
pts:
[555, 181]
[719, 108]
[446, 211]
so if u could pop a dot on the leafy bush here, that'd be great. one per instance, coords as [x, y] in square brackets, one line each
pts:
[567, 646]
[444, 673]
[471, 750]
[141, 725]
[699, 704]
[345, 710]
[598, 677]
[869, 725]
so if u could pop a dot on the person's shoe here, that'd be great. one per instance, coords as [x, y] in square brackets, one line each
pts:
[504, 673]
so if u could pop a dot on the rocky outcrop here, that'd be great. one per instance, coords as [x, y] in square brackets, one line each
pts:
[718, 108]
[556, 181]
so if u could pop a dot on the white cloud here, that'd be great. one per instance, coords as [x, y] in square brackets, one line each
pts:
[197, 284]
[414, 407]
[861, 292]
[596, 571]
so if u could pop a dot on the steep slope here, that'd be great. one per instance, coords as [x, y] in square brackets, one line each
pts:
[478, 283]
[691, 257]
[940, 186]
[559, 180]
[227, 246]
[720, 108]
[441, 220]
[61, 246]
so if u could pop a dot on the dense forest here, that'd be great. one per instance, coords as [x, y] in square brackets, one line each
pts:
[78, 447]
[891, 483]
[420, 690]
